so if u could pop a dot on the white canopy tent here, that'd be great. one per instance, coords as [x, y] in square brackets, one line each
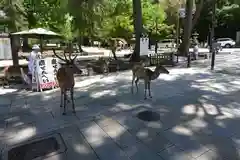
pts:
[39, 33]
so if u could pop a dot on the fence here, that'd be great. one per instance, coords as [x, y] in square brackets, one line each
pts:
[162, 58]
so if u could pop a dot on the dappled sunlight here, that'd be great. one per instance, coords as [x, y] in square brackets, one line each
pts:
[7, 90]
[103, 93]
[94, 135]
[168, 77]
[181, 130]
[220, 124]
[226, 113]
[22, 135]
[205, 80]
[196, 124]
[14, 121]
[235, 82]
[189, 109]
[143, 133]
[189, 71]
[210, 109]
[213, 87]
[124, 106]
[155, 125]
[81, 149]
[87, 82]
[114, 131]
[109, 80]
[46, 97]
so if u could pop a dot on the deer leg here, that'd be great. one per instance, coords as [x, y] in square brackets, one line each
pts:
[73, 105]
[64, 103]
[149, 90]
[133, 78]
[136, 83]
[145, 90]
[61, 103]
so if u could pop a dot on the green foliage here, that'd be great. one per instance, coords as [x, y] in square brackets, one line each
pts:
[44, 13]
[227, 19]
[152, 14]
[98, 19]
[67, 28]
[15, 14]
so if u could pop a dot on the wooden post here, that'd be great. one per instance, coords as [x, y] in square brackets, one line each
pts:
[14, 51]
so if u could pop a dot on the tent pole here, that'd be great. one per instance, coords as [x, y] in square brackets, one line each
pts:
[41, 44]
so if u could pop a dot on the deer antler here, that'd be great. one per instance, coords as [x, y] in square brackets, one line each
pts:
[64, 54]
[70, 53]
[54, 52]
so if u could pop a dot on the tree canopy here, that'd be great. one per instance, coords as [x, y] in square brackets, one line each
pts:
[105, 19]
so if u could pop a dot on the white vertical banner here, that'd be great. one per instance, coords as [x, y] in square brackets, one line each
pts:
[45, 73]
[55, 66]
[144, 46]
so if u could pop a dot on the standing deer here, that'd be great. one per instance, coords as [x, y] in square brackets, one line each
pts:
[65, 78]
[146, 74]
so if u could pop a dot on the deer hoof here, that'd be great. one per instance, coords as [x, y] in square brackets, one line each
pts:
[63, 113]
[150, 96]
[61, 106]
[145, 98]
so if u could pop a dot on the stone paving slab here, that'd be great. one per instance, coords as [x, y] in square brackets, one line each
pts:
[226, 148]
[109, 150]
[209, 155]
[174, 153]
[62, 156]
[199, 112]
[139, 151]
[119, 134]
[182, 138]
[77, 146]
[155, 141]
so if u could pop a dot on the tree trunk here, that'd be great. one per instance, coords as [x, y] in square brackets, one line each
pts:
[80, 40]
[14, 50]
[199, 6]
[184, 47]
[113, 46]
[137, 18]
[25, 47]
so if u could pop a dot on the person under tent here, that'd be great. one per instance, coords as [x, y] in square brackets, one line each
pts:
[34, 55]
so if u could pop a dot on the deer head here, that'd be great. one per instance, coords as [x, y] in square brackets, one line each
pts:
[161, 69]
[68, 63]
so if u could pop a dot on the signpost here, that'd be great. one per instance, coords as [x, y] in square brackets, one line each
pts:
[213, 46]
[44, 73]
[144, 46]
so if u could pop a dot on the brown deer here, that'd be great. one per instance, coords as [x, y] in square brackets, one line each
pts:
[12, 72]
[65, 78]
[146, 74]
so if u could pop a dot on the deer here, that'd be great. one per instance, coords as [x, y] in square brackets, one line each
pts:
[139, 72]
[66, 81]
[12, 72]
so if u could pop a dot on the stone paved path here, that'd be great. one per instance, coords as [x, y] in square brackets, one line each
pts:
[199, 117]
